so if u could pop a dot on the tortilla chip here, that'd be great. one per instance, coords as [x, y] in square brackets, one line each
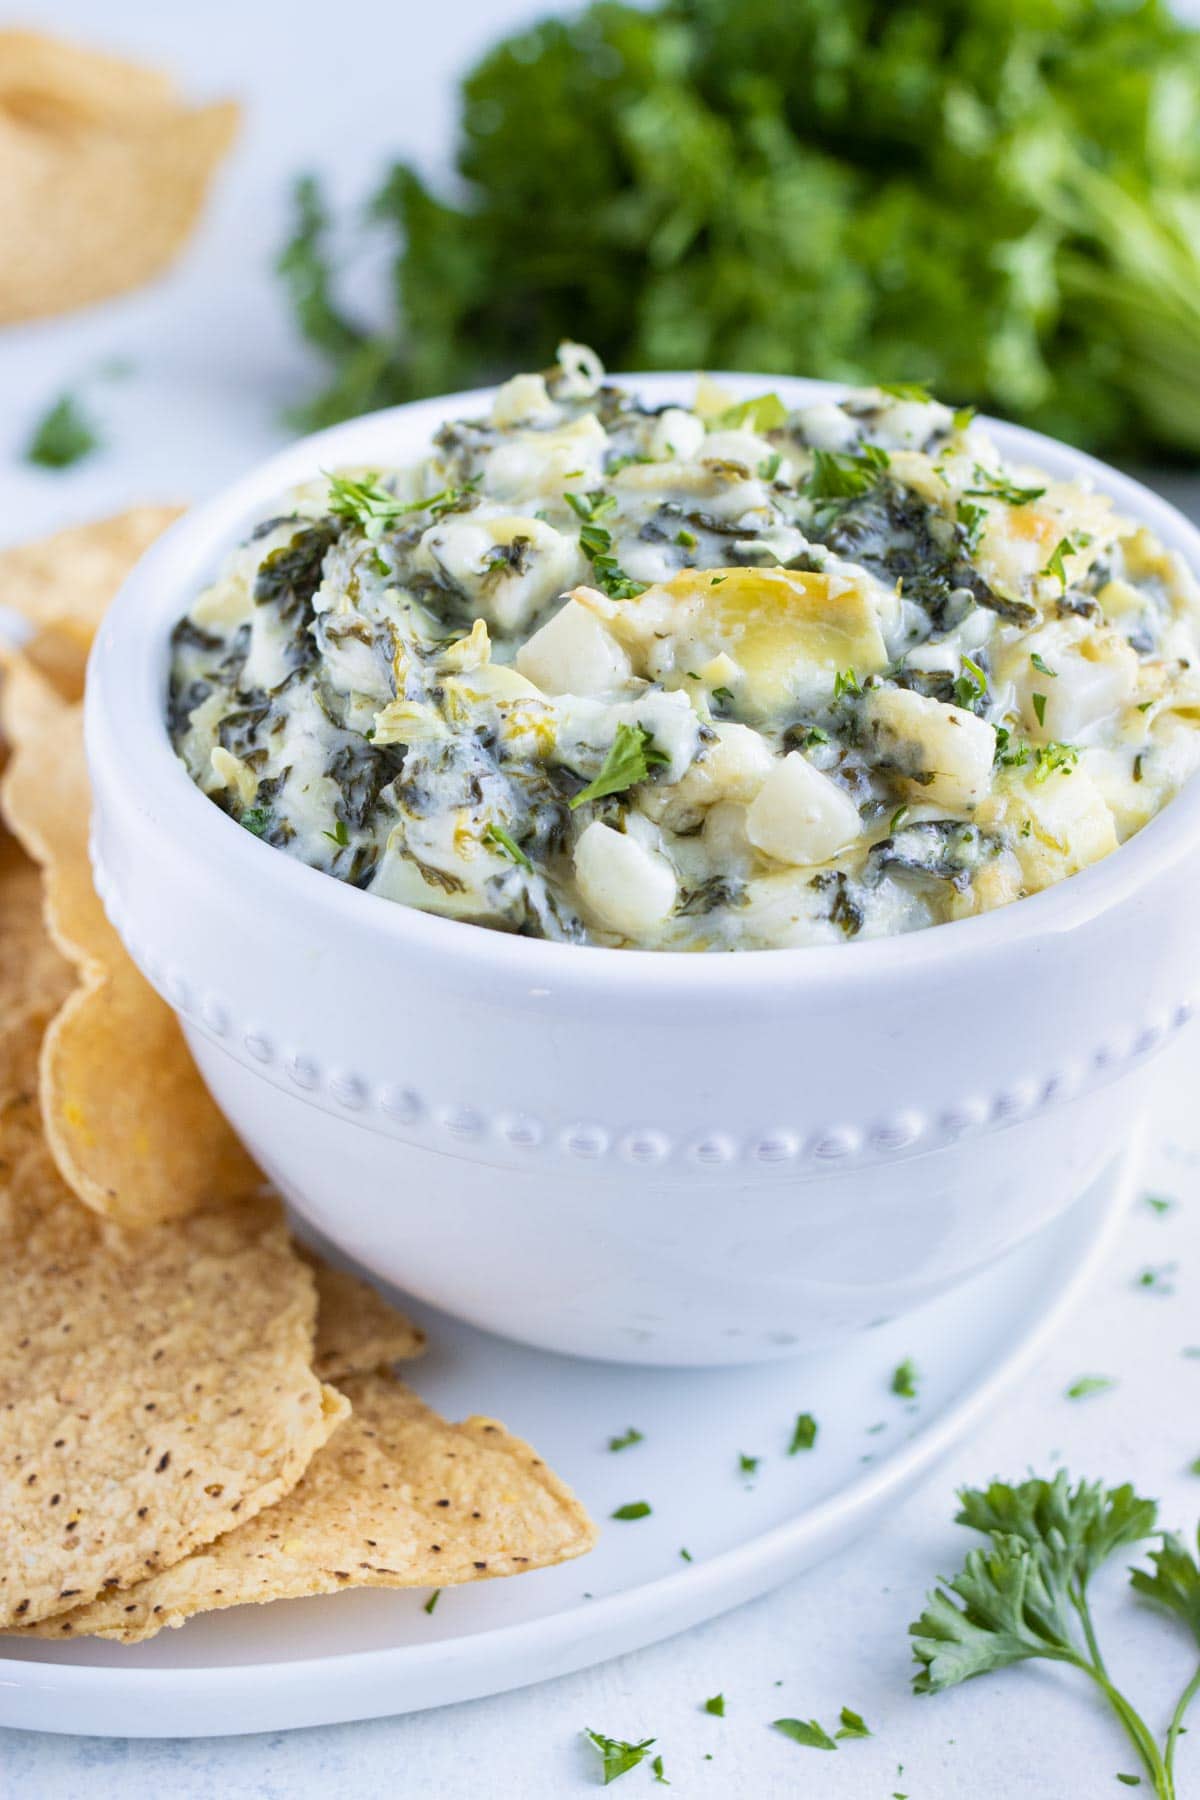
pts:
[155, 1387]
[105, 171]
[398, 1498]
[358, 1331]
[60, 586]
[152, 1145]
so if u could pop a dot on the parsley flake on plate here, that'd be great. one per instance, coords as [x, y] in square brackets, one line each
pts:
[804, 1433]
[627, 1439]
[62, 437]
[1084, 1386]
[904, 1379]
[633, 1509]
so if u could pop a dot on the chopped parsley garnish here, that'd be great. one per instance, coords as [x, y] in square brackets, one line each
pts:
[994, 487]
[632, 755]
[1024, 1595]
[804, 1433]
[1010, 754]
[963, 417]
[723, 696]
[365, 503]
[748, 1465]
[63, 436]
[972, 519]
[813, 735]
[626, 1439]
[633, 1509]
[1052, 759]
[853, 1725]
[768, 468]
[496, 834]
[806, 1732]
[845, 477]
[618, 1758]
[716, 1706]
[432, 1600]
[1056, 566]
[591, 506]
[898, 817]
[339, 835]
[1039, 707]
[971, 685]
[906, 390]
[657, 1766]
[1084, 1386]
[904, 1379]
[687, 540]
[845, 681]
[1039, 664]
[256, 819]
[1158, 1203]
[766, 412]
[687, 1556]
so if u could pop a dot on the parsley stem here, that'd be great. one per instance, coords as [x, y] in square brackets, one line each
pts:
[1185, 1700]
[1139, 1732]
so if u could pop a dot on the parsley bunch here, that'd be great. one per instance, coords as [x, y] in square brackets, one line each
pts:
[862, 189]
[1024, 1596]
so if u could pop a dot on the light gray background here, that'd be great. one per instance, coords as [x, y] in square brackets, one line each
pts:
[341, 88]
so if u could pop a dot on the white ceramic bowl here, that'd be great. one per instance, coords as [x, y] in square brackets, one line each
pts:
[643, 1156]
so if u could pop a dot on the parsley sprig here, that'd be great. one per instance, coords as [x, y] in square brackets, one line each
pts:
[1024, 1597]
[631, 756]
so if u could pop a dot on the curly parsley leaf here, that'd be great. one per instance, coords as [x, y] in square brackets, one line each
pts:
[845, 477]
[1025, 1596]
[365, 503]
[64, 436]
[631, 756]
[1174, 1581]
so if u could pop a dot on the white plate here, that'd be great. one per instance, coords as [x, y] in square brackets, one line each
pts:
[367, 1655]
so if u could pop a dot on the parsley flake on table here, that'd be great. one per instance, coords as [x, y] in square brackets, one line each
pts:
[633, 1509]
[631, 756]
[659, 1775]
[432, 1600]
[715, 1706]
[904, 1379]
[618, 1757]
[1156, 1279]
[804, 1731]
[627, 1439]
[748, 1465]
[804, 1433]
[1159, 1204]
[62, 437]
[853, 1725]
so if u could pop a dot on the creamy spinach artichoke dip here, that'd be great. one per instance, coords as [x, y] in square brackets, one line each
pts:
[723, 678]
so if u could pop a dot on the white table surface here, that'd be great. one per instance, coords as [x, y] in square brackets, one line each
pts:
[214, 362]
